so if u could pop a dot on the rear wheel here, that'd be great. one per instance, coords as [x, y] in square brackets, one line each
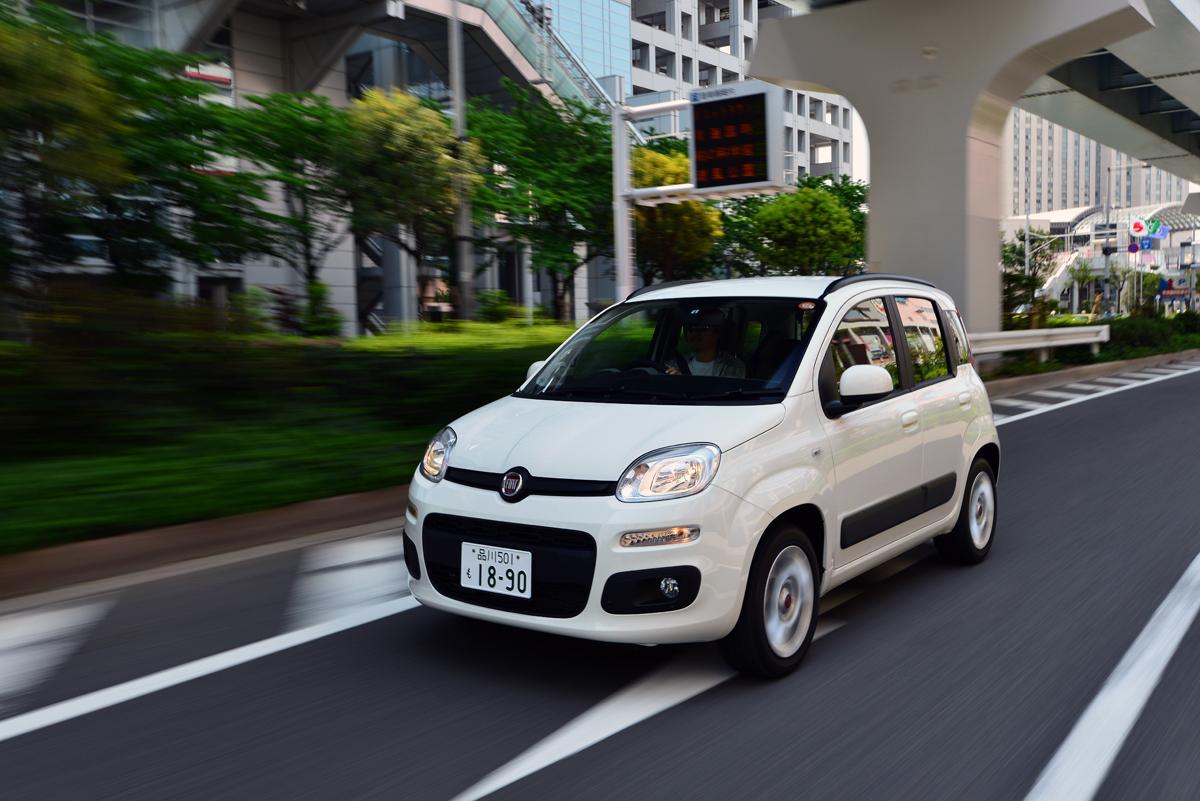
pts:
[779, 610]
[971, 539]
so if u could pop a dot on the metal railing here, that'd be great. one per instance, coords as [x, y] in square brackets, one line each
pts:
[1043, 340]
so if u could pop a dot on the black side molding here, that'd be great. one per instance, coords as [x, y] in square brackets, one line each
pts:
[863, 525]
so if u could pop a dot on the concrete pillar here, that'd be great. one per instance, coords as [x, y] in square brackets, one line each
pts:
[934, 81]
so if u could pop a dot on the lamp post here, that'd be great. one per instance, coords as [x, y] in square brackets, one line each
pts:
[1129, 168]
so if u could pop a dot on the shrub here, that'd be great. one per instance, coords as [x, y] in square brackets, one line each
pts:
[1141, 332]
[494, 306]
[1187, 322]
[320, 319]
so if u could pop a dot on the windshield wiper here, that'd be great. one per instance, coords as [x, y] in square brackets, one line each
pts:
[604, 392]
[740, 392]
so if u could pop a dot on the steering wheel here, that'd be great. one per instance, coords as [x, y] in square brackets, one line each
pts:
[660, 366]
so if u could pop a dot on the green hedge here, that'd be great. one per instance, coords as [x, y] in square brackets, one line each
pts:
[107, 428]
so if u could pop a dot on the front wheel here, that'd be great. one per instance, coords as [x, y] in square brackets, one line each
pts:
[779, 610]
[971, 539]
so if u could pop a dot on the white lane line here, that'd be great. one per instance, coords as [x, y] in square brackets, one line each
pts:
[670, 685]
[1114, 380]
[1125, 387]
[1166, 369]
[171, 677]
[1088, 387]
[32, 644]
[1051, 393]
[1140, 376]
[339, 577]
[102, 586]
[1021, 404]
[1078, 768]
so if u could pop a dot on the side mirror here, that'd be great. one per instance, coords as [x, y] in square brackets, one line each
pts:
[536, 367]
[861, 383]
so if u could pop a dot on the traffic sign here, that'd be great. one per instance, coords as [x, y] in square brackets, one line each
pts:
[736, 132]
[1145, 243]
[1138, 228]
[1133, 247]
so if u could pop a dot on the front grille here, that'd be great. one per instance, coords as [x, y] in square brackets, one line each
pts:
[536, 485]
[563, 563]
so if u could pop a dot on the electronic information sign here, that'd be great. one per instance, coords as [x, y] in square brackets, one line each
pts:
[737, 132]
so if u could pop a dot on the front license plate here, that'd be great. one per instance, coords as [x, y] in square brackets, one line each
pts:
[501, 570]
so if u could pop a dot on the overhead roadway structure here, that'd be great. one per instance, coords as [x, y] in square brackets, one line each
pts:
[1139, 95]
[934, 82]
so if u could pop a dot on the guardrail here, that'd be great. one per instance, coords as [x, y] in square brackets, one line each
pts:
[1040, 339]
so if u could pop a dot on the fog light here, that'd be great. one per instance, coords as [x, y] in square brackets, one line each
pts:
[412, 510]
[669, 587]
[662, 536]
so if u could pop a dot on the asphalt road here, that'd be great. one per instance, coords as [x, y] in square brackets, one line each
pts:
[934, 682]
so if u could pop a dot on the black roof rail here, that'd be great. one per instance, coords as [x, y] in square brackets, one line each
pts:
[652, 287]
[845, 280]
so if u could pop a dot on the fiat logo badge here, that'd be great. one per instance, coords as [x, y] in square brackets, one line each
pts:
[511, 484]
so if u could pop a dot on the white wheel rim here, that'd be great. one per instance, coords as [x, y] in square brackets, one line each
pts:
[981, 510]
[788, 601]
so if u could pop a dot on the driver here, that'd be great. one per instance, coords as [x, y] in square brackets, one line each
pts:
[703, 328]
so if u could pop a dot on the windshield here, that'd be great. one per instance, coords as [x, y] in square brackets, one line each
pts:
[691, 350]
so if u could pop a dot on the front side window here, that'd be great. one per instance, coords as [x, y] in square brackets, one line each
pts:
[864, 336]
[923, 333]
[692, 350]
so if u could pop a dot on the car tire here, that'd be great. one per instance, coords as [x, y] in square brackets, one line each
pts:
[969, 542]
[779, 609]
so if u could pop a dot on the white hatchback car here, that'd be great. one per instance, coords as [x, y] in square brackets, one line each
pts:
[705, 460]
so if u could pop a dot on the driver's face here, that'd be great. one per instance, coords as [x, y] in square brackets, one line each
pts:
[702, 338]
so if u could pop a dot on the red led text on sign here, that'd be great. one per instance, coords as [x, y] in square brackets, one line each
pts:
[730, 141]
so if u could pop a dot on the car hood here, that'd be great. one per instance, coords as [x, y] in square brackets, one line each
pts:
[594, 441]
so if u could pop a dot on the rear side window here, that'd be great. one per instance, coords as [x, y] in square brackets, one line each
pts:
[926, 343]
[959, 332]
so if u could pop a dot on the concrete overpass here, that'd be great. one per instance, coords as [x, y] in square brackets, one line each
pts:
[935, 79]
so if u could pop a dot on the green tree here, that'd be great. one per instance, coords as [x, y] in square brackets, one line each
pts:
[187, 200]
[674, 240]
[1019, 288]
[552, 181]
[806, 232]
[301, 142]
[405, 168]
[738, 250]
[58, 119]
[1080, 273]
[852, 195]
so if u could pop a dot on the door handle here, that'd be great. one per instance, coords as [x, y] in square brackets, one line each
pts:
[909, 418]
[964, 399]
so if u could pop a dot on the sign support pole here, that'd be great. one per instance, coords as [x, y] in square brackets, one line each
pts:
[622, 211]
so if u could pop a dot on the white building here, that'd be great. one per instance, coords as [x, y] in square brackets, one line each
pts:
[682, 44]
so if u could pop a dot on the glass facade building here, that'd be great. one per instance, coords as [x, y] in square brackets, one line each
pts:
[597, 31]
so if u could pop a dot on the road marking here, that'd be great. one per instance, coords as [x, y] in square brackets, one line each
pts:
[339, 577]
[1081, 763]
[102, 586]
[1166, 369]
[33, 643]
[1125, 386]
[1088, 387]
[1050, 393]
[1112, 380]
[670, 685]
[1020, 403]
[171, 677]
[1140, 376]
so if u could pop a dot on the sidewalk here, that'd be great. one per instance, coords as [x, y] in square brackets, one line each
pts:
[93, 560]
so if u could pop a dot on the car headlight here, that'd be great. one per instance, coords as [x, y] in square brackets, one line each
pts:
[674, 472]
[433, 465]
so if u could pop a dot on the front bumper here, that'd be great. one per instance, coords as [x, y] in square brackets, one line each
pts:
[728, 531]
